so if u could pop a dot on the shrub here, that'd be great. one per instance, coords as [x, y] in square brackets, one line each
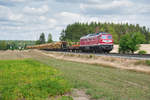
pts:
[130, 42]
[147, 62]
[142, 52]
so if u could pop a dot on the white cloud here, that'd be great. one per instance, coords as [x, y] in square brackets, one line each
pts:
[110, 5]
[68, 17]
[15, 17]
[33, 10]
[17, 0]
[43, 18]
[117, 7]
[4, 11]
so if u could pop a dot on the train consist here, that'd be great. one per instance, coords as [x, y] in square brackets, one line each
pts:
[98, 42]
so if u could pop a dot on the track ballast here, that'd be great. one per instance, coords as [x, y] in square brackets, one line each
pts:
[128, 56]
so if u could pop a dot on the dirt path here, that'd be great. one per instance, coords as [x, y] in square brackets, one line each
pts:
[79, 95]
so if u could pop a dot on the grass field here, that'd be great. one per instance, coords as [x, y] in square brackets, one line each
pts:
[101, 82]
[30, 80]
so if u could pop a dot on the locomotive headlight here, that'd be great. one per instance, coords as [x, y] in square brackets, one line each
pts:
[107, 40]
[104, 40]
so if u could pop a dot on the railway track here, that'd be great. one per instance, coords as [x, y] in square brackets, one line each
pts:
[128, 56]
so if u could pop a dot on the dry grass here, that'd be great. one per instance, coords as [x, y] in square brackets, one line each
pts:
[143, 62]
[122, 63]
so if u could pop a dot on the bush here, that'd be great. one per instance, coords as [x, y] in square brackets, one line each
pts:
[3, 45]
[130, 42]
[142, 52]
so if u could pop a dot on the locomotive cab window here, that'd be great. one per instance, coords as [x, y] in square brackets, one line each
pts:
[109, 37]
[104, 37]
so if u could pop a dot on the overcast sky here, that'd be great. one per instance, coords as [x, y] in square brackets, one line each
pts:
[26, 19]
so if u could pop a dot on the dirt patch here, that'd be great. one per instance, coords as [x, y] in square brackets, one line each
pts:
[79, 95]
[16, 54]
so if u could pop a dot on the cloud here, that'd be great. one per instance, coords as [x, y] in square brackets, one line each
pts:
[26, 19]
[69, 1]
[81, 1]
[6, 3]
[117, 7]
[16, 0]
[7, 14]
[33, 10]
[11, 3]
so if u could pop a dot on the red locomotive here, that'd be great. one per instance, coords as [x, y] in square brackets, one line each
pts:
[99, 42]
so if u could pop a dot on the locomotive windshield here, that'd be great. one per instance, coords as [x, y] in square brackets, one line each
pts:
[109, 37]
[106, 37]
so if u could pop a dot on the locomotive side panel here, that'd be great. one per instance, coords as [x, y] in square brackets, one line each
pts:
[100, 42]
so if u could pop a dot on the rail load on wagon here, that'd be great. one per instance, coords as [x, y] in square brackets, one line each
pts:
[50, 46]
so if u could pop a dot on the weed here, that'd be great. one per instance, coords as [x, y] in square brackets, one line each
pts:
[142, 52]
[66, 98]
[147, 62]
[140, 62]
[143, 62]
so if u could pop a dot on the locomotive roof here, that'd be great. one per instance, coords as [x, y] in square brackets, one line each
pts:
[95, 34]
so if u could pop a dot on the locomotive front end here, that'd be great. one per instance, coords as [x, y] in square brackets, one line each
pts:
[106, 42]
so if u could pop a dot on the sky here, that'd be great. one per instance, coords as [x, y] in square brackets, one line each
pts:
[27, 19]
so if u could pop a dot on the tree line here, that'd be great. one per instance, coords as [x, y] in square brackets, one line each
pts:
[15, 44]
[22, 44]
[74, 32]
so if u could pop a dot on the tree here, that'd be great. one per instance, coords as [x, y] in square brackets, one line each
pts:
[3, 45]
[41, 39]
[123, 44]
[49, 38]
[130, 42]
[62, 37]
[13, 45]
[74, 32]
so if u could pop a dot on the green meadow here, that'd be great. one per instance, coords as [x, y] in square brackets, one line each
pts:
[30, 80]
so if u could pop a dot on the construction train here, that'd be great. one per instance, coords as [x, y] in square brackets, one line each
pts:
[98, 42]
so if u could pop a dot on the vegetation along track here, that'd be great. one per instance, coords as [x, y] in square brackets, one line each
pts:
[128, 56]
